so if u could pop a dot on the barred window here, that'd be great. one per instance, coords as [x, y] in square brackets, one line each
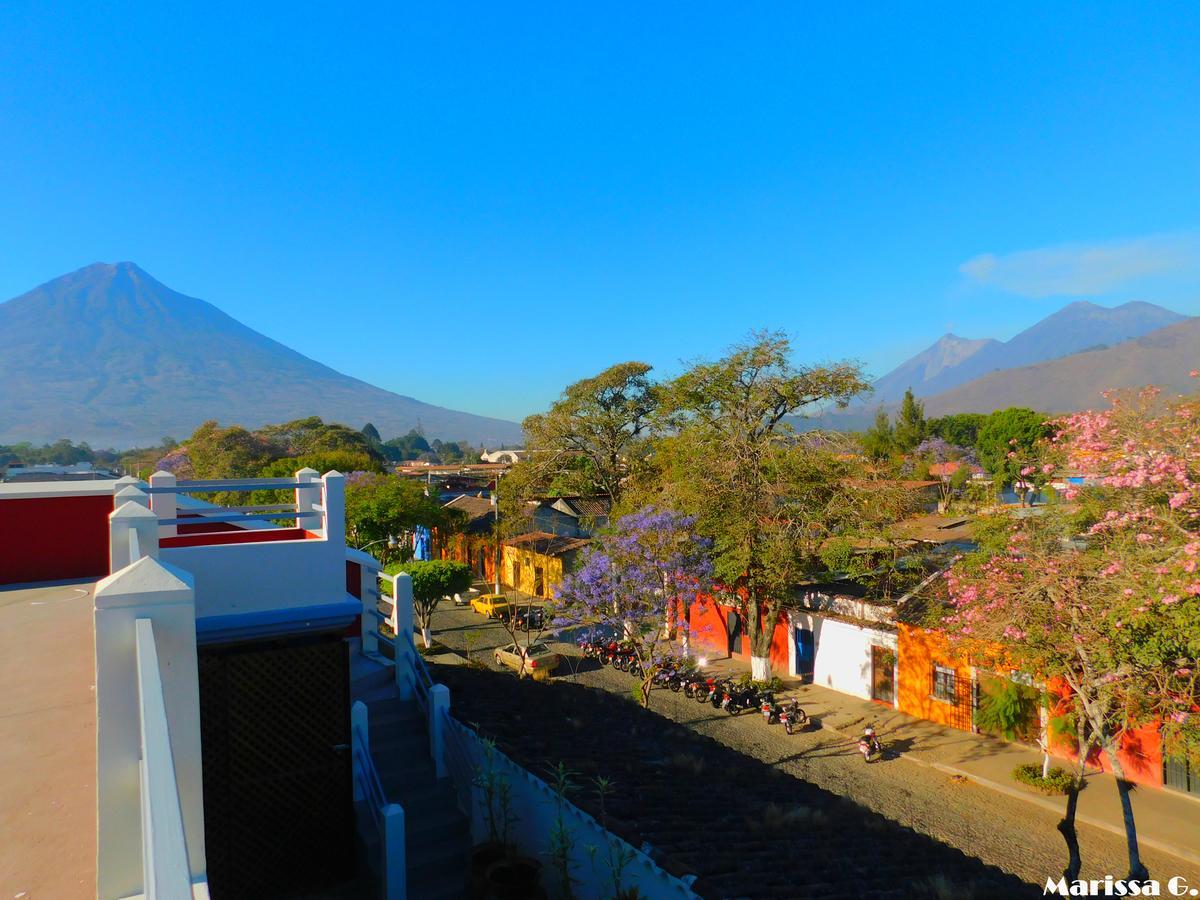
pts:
[944, 684]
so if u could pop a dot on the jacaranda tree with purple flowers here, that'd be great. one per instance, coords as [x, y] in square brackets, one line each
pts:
[638, 582]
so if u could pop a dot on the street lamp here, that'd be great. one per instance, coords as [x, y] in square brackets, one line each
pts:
[392, 542]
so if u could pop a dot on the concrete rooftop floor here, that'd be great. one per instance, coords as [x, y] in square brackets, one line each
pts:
[47, 742]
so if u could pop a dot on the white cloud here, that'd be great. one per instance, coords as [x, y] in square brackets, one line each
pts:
[1075, 270]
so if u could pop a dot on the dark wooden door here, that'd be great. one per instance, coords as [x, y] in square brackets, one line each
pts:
[883, 674]
[733, 624]
[278, 797]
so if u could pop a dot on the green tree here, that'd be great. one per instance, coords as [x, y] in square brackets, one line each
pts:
[1008, 441]
[229, 452]
[432, 580]
[371, 433]
[599, 420]
[729, 457]
[378, 506]
[910, 427]
[878, 441]
[958, 428]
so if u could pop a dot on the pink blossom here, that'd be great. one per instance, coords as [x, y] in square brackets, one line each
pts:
[1179, 499]
[1047, 468]
[1028, 470]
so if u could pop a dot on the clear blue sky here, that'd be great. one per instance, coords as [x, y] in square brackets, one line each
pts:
[477, 205]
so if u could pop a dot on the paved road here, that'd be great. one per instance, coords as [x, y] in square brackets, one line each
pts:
[1004, 831]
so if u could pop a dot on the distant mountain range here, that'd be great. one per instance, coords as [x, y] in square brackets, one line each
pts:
[1079, 326]
[1060, 364]
[113, 357]
[1163, 358]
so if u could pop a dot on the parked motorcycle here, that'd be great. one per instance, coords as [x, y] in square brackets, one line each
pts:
[792, 716]
[868, 744]
[766, 705]
[738, 700]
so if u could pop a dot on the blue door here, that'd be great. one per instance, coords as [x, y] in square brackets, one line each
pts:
[806, 653]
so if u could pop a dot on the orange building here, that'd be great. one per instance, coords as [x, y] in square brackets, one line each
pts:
[940, 686]
[720, 630]
[934, 683]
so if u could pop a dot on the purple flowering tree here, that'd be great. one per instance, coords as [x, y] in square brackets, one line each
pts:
[638, 582]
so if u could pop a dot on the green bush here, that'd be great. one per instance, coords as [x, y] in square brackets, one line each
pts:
[775, 684]
[1057, 782]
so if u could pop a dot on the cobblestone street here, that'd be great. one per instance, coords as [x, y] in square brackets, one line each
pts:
[1001, 830]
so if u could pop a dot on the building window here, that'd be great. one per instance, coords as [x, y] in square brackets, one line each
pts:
[944, 684]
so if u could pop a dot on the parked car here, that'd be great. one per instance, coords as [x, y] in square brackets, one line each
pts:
[540, 660]
[529, 617]
[494, 606]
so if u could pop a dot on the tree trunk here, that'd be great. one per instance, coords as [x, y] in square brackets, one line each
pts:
[1067, 826]
[760, 668]
[1137, 871]
[426, 636]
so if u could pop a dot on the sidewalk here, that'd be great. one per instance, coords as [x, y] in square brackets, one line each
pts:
[1166, 820]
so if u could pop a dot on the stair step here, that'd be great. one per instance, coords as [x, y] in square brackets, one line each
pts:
[436, 861]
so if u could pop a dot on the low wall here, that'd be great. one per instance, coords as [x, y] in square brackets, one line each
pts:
[535, 806]
[54, 534]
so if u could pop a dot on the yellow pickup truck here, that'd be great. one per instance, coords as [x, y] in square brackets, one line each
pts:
[494, 606]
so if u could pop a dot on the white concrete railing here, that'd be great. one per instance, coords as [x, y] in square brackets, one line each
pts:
[149, 790]
[164, 491]
[387, 818]
[241, 577]
[167, 874]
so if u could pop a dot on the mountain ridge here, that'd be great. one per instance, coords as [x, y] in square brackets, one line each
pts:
[110, 355]
[1163, 357]
[1080, 325]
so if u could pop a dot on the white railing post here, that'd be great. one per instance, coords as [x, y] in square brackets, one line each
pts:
[164, 594]
[360, 739]
[305, 497]
[164, 848]
[165, 506]
[368, 588]
[126, 481]
[402, 627]
[395, 865]
[131, 493]
[439, 710]
[131, 516]
[333, 503]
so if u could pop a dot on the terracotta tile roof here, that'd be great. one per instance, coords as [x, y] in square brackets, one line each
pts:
[475, 507]
[546, 544]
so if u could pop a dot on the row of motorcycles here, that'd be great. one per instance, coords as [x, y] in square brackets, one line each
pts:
[733, 697]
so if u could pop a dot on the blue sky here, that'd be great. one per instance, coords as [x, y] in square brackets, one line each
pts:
[478, 204]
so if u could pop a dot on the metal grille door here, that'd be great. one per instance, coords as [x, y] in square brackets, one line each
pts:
[278, 805]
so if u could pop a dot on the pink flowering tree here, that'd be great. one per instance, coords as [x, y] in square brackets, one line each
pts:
[1101, 594]
[637, 583]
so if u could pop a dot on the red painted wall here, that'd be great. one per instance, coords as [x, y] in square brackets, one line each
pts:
[1140, 750]
[54, 538]
[708, 623]
[237, 536]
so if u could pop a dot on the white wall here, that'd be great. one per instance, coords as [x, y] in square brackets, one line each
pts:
[535, 806]
[242, 578]
[843, 652]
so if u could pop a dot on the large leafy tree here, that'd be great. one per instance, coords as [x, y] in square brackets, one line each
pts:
[766, 499]
[432, 580]
[911, 427]
[879, 441]
[379, 506]
[1103, 595]
[1008, 440]
[592, 435]
[957, 428]
[637, 582]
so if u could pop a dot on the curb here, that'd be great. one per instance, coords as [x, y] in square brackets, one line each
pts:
[1191, 856]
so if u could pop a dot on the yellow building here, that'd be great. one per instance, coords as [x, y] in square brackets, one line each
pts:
[534, 563]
